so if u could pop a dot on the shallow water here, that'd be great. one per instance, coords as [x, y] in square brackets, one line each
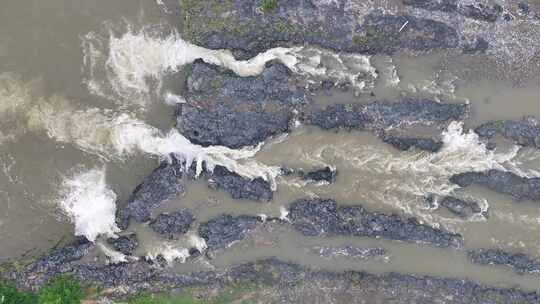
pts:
[62, 96]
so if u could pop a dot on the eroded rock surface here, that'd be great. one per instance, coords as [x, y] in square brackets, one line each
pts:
[125, 244]
[407, 143]
[228, 110]
[221, 231]
[164, 183]
[383, 115]
[525, 132]
[338, 25]
[172, 224]
[521, 188]
[459, 207]
[318, 217]
[239, 187]
[325, 174]
[519, 262]
[287, 283]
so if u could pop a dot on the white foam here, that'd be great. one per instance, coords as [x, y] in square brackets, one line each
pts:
[15, 100]
[340, 68]
[173, 99]
[122, 136]
[283, 214]
[170, 253]
[383, 176]
[113, 256]
[197, 242]
[130, 60]
[90, 204]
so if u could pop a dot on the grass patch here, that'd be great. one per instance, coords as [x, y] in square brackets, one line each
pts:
[185, 298]
[236, 294]
[10, 295]
[61, 290]
[269, 5]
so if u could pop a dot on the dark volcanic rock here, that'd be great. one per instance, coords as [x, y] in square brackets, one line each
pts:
[164, 183]
[318, 217]
[434, 5]
[459, 207]
[229, 110]
[248, 30]
[382, 33]
[521, 188]
[480, 46]
[239, 187]
[125, 244]
[481, 12]
[326, 174]
[519, 262]
[289, 283]
[46, 266]
[477, 11]
[225, 229]
[172, 224]
[383, 115]
[406, 143]
[525, 132]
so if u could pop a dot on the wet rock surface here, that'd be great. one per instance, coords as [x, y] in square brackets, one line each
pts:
[525, 132]
[228, 110]
[459, 207]
[521, 188]
[318, 217]
[222, 231]
[519, 262]
[164, 183]
[240, 187]
[290, 283]
[125, 244]
[325, 174]
[408, 143]
[171, 224]
[378, 116]
[332, 25]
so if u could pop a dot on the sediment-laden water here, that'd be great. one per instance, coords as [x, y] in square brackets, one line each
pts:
[95, 96]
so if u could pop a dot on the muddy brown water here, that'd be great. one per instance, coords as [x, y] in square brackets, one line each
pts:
[41, 61]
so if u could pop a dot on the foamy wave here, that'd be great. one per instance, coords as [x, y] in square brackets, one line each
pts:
[118, 137]
[135, 63]
[340, 68]
[113, 256]
[178, 251]
[170, 253]
[90, 204]
[15, 100]
[402, 179]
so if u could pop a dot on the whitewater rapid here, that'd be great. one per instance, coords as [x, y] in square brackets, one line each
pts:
[90, 204]
[130, 67]
[119, 67]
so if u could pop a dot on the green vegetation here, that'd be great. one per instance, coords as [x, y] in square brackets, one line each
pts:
[244, 294]
[269, 5]
[370, 34]
[499, 124]
[66, 290]
[61, 290]
[10, 295]
[185, 298]
[201, 17]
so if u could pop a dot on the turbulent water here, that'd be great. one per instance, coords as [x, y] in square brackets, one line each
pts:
[71, 154]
